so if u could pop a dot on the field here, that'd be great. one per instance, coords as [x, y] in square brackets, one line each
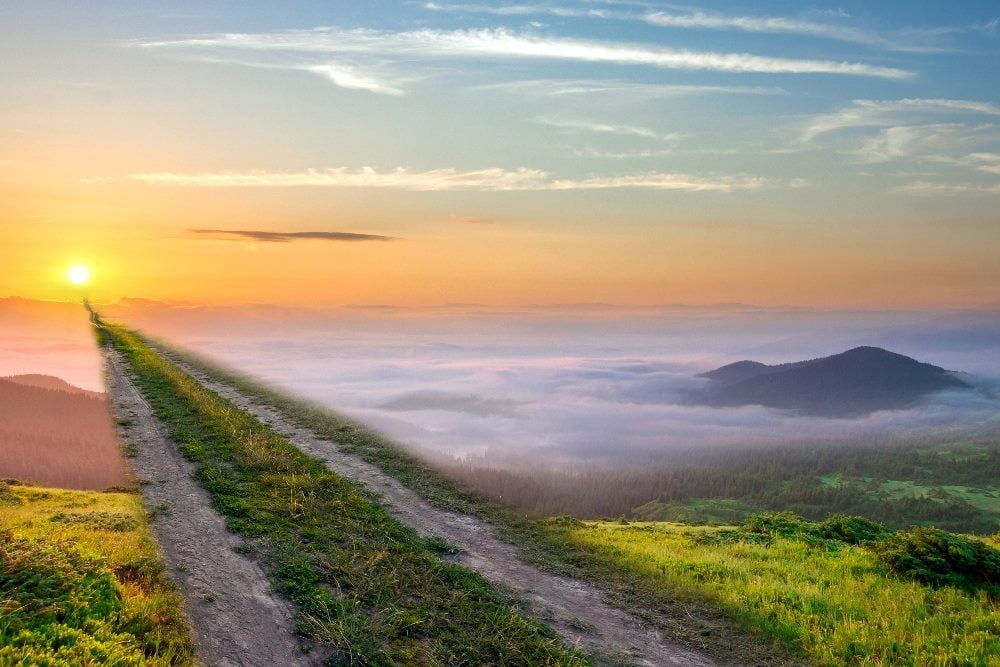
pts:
[834, 604]
[81, 582]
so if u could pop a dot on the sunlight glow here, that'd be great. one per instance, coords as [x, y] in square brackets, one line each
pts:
[78, 275]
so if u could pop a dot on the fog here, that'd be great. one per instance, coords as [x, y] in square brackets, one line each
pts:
[580, 384]
[50, 338]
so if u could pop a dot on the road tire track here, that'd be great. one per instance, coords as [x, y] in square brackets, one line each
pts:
[237, 618]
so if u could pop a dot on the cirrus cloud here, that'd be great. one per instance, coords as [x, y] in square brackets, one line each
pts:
[445, 180]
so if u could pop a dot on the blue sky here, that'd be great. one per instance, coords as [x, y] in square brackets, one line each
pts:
[798, 126]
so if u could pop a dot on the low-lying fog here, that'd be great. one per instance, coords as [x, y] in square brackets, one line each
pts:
[591, 384]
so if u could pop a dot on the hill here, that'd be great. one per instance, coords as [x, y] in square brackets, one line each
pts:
[49, 382]
[57, 437]
[850, 384]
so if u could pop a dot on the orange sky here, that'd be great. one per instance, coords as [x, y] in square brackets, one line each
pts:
[833, 189]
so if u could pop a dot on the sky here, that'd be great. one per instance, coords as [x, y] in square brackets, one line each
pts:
[332, 153]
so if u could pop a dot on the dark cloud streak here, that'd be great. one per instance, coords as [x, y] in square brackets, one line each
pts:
[287, 237]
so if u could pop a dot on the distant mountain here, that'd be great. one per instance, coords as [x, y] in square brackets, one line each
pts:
[57, 437]
[849, 384]
[49, 382]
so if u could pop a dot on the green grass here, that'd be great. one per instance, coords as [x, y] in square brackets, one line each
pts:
[836, 605]
[364, 585]
[714, 511]
[81, 582]
[985, 498]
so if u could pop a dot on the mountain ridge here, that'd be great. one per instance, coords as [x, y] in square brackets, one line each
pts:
[853, 383]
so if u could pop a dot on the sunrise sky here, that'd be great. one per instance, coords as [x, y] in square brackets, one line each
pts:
[414, 153]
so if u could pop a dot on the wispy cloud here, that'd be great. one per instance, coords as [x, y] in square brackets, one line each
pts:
[779, 25]
[347, 76]
[609, 128]
[445, 180]
[619, 89]
[286, 237]
[521, 10]
[930, 189]
[876, 113]
[935, 142]
[505, 44]
[676, 18]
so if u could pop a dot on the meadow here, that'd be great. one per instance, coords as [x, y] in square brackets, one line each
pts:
[831, 602]
[82, 582]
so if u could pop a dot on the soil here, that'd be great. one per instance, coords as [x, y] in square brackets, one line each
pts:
[575, 609]
[237, 618]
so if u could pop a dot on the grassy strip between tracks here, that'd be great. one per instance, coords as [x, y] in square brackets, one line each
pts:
[365, 586]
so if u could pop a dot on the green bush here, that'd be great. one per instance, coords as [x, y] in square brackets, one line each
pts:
[852, 530]
[779, 524]
[943, 559]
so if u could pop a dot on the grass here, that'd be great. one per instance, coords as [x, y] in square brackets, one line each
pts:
[686, 619]
[717, 511]
[81, 582]
[836, 605]
[364, 585]
[985, 498]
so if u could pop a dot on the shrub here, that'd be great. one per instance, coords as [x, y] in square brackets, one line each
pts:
[852, 530]
[779, 524]
[943, 559]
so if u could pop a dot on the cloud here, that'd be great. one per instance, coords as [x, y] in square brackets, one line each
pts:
[286, 237]
[930, 189]
[505, 44]
[449, 402]
[445, 180]
[347, 76]
[618, 89]
[778, 25]
[535, 384]
[985, 162]
[933, 142]
[521, 10]
[877, 113]
[911, 40]
[608, 128]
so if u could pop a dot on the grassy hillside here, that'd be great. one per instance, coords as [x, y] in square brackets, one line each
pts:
[834, 602]
[81, 582]
[57, 437]
[364, 585]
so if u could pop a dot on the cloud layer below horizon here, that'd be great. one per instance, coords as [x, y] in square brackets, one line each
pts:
[574, 388]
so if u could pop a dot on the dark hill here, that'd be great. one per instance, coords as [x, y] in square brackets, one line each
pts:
[49, 382]
[849, 384]
[58, 438]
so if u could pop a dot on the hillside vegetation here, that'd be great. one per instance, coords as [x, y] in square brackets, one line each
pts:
[54, 434]
[845, 591]
[81, 582]
[366, 587]
[942, 479]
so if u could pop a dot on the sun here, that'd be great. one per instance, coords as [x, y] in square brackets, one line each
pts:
[79, 274]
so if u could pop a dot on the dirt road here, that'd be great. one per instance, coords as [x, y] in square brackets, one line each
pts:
[237, 618]
[575, 609]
